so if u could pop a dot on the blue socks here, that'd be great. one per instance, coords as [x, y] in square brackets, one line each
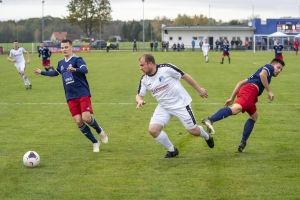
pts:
[87, 132]
[221, 114]
[95, 125]
[248, 127]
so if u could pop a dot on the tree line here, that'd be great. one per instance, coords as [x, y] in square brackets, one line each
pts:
[92, 19]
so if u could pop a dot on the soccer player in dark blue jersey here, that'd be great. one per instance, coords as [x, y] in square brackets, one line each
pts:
[73, 69]
[46, 54]
[278, 48]
[226, 50]
[247, 92]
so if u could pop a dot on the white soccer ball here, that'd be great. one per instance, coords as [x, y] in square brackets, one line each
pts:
[31, 159]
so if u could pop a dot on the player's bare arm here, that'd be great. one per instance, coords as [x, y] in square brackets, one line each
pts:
[139, 100]
[28, 58]
[10, 60]
[234, 92]
[264, 79]
[201, 91]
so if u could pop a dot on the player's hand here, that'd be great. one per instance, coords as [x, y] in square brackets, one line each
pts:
[140, 103]
[270, 96]
[28, 61]
[37, 71]
[228, 103]
[71, 69]
[203, 93]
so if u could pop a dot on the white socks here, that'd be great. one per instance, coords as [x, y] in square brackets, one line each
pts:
[25, 79]
[203, 133]
[206, 58]
[163, 139]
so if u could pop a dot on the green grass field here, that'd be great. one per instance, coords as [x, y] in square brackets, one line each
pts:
[130, 166]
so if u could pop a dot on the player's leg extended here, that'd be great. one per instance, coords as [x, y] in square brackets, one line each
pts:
[87, 110]
[248, 127]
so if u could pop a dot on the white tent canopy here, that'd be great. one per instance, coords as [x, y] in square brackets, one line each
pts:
[297, 36]
[278, 34]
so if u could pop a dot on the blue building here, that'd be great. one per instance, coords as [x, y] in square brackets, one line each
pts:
[263, 30]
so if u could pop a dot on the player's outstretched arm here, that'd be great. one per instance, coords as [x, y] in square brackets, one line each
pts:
[234, 92]
[139, 101]
[201, 91]
[37, 71]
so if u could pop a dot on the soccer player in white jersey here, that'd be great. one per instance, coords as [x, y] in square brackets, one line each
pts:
[163, 82]
[16, 56]
[205, 49]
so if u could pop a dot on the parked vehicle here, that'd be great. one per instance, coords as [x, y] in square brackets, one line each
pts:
[101, 44]
[50, 43]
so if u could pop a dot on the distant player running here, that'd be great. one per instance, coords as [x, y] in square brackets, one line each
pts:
[46, 54]
[296, 45]
[18, 59]
[226, 50]
[205, 49]
[247, 92]
[278, 49]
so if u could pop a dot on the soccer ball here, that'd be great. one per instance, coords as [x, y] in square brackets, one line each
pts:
[31, 159]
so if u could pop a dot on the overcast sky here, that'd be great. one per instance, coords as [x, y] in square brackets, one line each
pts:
[133, 9]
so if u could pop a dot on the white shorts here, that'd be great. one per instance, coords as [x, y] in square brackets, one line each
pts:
[20, 66]
[205, 52]
[185, 114]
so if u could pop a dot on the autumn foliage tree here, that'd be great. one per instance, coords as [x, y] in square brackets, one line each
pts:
[88, 14]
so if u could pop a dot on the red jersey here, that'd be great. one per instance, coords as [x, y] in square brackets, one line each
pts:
[296, 43]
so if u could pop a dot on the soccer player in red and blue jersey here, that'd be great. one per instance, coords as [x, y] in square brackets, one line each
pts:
[247, 92]
[46, 54]
[296, 45]
[278, 49]
[226, 50]
[73, 69]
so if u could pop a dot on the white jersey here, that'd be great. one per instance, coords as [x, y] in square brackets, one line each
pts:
[205, 47]
[165, 87]
[18, 55]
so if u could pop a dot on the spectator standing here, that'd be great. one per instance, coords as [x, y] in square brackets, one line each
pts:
[193, 45]
[134, 45]
[200, 44]
[151, 45]
[217, 45]
[155, 45]
[117, 44]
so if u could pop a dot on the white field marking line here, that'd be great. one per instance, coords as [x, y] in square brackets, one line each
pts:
[126, 103]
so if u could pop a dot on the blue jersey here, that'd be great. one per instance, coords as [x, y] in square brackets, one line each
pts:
[278, 48]
[255, 78]
[45, 52]
[75, 83]
[226, 48]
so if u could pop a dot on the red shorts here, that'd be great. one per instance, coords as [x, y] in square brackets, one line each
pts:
[46, 63]
[296, 48]
[247, 98]
[226, 54]
[80, 105]
[279, 57]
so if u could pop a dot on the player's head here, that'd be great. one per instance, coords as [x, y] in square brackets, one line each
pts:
[277, 41]
[205, 40]
[147, 64]
[42, 44]
[66, 47]
[16, 44]
[278, 64]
